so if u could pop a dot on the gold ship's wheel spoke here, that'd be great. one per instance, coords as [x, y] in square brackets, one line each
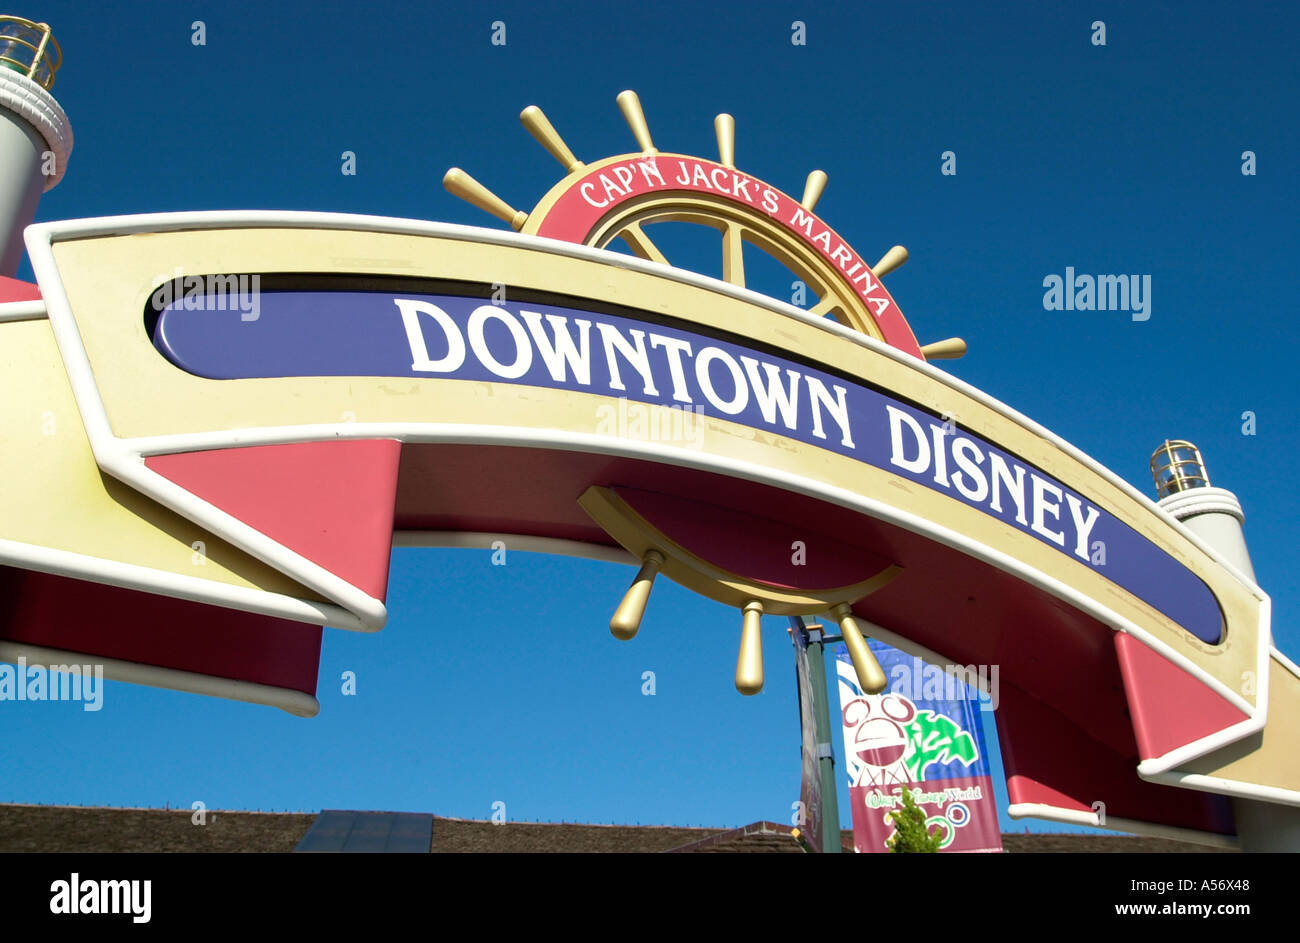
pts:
[826, 306]
[813, 189]
[641, 244]
[733, 254]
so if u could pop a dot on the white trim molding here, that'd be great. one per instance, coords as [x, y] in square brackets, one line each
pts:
[288, 700]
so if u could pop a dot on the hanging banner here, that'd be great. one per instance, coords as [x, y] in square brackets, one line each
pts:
[923, 733]
[809, 819]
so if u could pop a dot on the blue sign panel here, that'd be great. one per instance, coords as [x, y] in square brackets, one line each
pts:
[381, 334]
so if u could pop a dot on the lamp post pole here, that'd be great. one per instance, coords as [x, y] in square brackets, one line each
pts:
[816, 640]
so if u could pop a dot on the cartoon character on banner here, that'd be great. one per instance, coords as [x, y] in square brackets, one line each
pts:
[880, 738]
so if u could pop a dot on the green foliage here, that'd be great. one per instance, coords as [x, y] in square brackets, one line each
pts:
[936, 739]
[910, 834]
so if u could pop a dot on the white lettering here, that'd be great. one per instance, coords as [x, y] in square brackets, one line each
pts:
[586, 195]
[1015, 486]
[916, 465]
[968, 456]
[772, 395]
[939, 434]
[739, 399]
[411, 310]
[478, 342]
[563, 355]
[674, 349]
[1083, 524]
[1042, 507]
[635, 356]
[838, 409]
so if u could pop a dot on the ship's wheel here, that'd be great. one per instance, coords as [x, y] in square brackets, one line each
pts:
[621, 198]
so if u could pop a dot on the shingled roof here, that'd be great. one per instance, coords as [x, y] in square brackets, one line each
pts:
[759, 837]
[77, 829]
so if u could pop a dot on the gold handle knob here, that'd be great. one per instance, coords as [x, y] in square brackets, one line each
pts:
[471, 191]
[950, 349]
[725, 128]
[812, 189]
[891, 260]
[870, 675]
[627, 617]
[630, 105]
[539, 126]
[749, 664]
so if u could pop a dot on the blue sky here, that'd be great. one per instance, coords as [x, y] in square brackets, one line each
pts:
[502, 683]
